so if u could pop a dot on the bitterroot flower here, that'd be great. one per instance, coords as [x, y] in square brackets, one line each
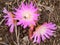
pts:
[26, 14]
[44, 31]
[10, 19]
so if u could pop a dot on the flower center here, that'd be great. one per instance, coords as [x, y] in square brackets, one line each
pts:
[41, 30]
[12, 16]
[27, 15]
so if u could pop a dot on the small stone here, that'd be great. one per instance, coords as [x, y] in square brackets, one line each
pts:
[0, 38]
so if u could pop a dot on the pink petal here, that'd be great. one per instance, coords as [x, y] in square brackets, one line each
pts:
[11, 28]
[38, 39]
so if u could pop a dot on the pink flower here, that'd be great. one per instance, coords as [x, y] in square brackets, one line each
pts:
[44, 31]
[9, 18]
[26, 14]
